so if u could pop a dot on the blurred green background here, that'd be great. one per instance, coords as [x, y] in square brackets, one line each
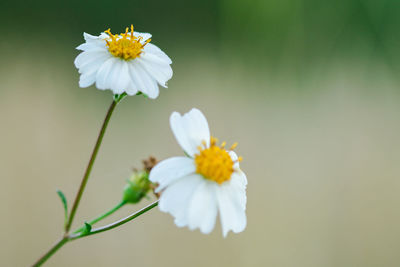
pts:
[309, 89]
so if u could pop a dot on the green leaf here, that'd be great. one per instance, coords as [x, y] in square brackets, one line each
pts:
[87, 229]
[64, 201]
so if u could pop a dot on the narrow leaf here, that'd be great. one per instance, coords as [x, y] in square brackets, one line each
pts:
[64, 201]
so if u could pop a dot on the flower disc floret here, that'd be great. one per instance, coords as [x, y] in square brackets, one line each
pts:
[214, 163]
[125, 45]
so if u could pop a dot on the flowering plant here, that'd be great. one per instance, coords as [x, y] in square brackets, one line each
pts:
[193, 188]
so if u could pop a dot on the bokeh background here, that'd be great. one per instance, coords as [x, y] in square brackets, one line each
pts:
[309, 89]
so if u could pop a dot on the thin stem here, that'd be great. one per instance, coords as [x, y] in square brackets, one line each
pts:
[104, 215]
[53, 250]
[75, 236]
[89, 166]
[117, 223]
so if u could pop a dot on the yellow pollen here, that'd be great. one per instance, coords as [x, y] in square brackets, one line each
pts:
[125, 45]
[234, 146]
[215, 163]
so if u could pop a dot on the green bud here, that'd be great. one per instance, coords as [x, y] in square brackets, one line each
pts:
[137, 187]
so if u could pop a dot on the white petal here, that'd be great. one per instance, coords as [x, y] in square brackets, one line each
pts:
[90, 38]
[239, 177]
[237, 185]
[102, 76]
[99, 45]
[87, 57]
[87, 79]
[131, 88]
[155, 50]
[175, 199]
[150, 84]
[144, 35]
[156, 59]
[190, 130]
[136, 79]
[119, 77]
[104, 36]
[92, 42]
[170, 170]
[202, 212]
[234, 158]
[93, 63]
[142, 80]
[161, 72]
[232, 214]
[113, 75]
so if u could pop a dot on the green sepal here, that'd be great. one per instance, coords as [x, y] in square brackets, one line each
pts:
[118, 98]
[64, 202]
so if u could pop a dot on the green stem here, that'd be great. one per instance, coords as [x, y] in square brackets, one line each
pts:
[115, 224]
[104, 215]
[75, 236]
[90, 165]
[53, 250]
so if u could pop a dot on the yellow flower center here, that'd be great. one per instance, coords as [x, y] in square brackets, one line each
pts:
[125, 45]
[215, 163]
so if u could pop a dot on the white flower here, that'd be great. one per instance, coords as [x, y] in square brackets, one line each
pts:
[125, 62]
[196, 188]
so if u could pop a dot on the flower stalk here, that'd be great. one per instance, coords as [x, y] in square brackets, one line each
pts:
[102, 216]
[90, 164]
[115, 224]
[51, 251]
[69, 237]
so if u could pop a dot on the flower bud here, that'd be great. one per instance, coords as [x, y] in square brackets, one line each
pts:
[139, 184]
[137, 187]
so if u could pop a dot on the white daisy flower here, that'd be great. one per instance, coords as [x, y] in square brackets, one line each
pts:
[194, 189]
[125, 62]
